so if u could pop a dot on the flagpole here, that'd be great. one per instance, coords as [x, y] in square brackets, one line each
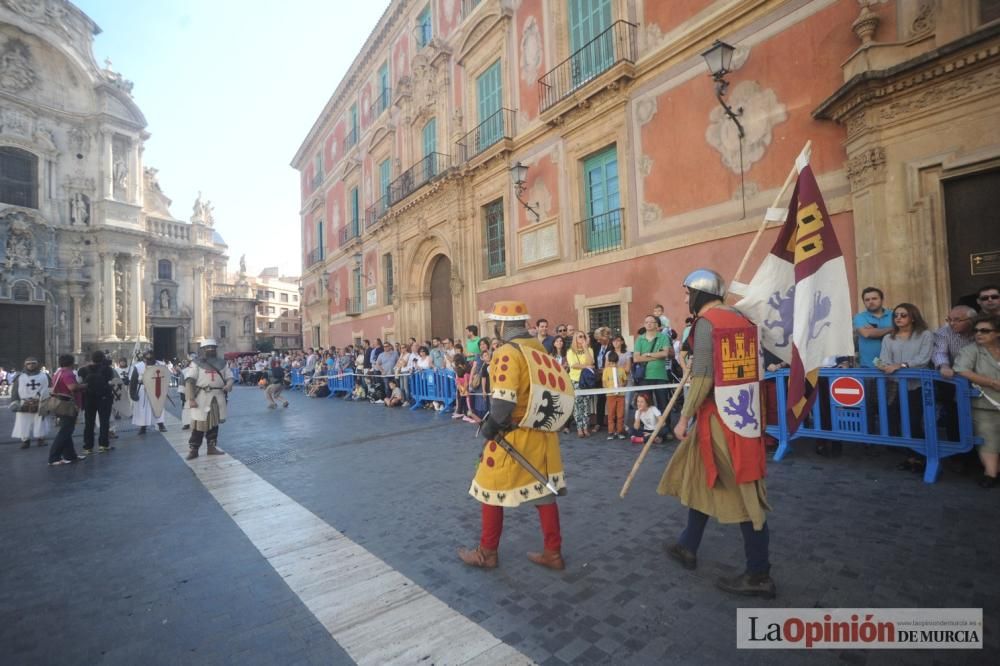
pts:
[763, 224]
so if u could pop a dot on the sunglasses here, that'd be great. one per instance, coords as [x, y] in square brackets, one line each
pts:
[900, 315]
[990, 297]
[560, 330]
[984, 331]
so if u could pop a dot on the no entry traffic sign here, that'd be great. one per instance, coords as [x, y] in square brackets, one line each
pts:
[847, 391]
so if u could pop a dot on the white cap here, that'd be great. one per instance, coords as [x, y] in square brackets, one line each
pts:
[208, 342]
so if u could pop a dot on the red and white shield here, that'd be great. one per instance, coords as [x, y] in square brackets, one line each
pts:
[156, 382]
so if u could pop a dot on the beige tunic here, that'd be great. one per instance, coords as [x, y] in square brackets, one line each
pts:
[684, 477]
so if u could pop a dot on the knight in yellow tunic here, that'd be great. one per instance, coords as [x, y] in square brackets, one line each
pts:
[529, 418]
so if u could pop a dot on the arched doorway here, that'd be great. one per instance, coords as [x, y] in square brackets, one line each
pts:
[441, 298]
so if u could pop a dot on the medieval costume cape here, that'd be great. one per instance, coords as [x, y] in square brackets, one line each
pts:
[209, 383]
[719, 467]
[499, 479]
[142, 411]
[27, 388]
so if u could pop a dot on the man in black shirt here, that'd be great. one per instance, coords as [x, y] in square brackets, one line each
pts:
[97, 400]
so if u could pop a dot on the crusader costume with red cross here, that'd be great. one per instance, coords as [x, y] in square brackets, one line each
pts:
[531, 400]
[207, 382]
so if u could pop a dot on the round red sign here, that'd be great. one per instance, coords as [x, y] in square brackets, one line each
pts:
[847, 391]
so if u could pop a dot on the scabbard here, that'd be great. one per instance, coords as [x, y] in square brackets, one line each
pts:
[523, 462]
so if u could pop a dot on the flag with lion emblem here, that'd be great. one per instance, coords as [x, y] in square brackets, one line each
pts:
[800, 297]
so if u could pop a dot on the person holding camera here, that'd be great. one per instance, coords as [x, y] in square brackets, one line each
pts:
[97, 401]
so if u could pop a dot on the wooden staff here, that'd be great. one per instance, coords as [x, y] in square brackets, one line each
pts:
[659, 426]
[792, 175]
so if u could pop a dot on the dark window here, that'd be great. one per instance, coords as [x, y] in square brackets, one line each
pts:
[222, 332]
[295, 298]
[18, 178]
[270, 309]
[284, 298]
[165, 269]
[609, 315]
[270, 325]
[284, 328]
[989, 10]
[387, 270]
[496, 253]
[21, 291]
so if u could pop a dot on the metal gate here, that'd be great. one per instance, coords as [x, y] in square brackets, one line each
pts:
[22, 334]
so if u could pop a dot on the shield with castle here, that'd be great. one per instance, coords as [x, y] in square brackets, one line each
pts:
[737, 378]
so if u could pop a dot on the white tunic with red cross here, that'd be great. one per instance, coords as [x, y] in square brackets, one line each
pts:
[210, 384]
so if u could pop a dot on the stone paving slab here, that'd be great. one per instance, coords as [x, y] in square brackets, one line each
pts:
[846, 532]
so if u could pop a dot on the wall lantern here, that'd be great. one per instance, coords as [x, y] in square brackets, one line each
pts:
[719, 58]
[518, 177]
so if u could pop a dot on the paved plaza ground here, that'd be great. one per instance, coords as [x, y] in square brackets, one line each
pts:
[265, 556]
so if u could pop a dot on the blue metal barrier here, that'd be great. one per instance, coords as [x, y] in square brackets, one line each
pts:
[433, 386]
[236, 374]
[297, 383]
[870, 421]
[341, 383]
[480, 403]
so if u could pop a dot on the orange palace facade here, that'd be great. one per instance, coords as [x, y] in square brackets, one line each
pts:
[413, 222]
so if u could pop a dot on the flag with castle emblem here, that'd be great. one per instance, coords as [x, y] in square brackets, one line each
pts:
[800, 296]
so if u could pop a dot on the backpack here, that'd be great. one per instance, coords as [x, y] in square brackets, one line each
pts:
[588, 379]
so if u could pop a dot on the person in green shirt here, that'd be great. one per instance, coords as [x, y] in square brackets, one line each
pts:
[472, 340]
[653, 350]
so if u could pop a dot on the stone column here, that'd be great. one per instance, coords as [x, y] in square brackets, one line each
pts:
[208, 321]
[197, 314]
[108, 294]
[135, 174]
[108, 182]
[77, 324]
[135, 297]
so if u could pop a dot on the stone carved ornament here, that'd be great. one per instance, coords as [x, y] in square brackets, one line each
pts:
[531, 51]
[79, 209]
[761, 113]
[16, 72]
[20, 248]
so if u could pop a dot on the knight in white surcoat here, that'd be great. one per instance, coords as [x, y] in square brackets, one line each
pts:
[142, 410]
[30, 389]
[207, 384]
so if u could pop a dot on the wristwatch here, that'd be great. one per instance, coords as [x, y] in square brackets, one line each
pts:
[904, 365]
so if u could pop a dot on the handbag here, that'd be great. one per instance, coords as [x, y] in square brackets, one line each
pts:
[59, 406]
[639, 369]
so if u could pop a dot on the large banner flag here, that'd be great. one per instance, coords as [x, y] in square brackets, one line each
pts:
[800, 297]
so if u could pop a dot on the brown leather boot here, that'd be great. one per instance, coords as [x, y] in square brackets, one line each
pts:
[548, 558]
[479, 557]
[213, 450]
[192, 452]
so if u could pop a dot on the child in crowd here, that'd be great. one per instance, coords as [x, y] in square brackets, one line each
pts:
[395, 397]
[614, 377]
[646, 416]
[463, 402]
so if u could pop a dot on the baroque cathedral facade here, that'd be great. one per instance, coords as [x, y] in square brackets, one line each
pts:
[90, 255]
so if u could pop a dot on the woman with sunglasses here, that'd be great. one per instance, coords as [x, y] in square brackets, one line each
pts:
[980, 364]
[580, 358]
[908, 345]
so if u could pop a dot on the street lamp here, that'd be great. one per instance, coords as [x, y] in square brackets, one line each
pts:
[518, 177]
[719, 58]
[357, 258]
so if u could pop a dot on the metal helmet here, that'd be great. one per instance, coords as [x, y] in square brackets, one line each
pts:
[706, 281]
[208, 342]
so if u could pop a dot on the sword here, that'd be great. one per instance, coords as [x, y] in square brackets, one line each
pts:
[523, 462]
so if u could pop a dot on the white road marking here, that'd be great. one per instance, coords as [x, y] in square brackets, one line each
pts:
[374, 612]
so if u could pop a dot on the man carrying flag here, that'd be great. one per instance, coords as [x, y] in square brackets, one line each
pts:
[800, 294]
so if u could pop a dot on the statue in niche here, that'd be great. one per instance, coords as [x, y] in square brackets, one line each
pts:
[164, 299]
[243, 264]
[121, 178]
[79, 209]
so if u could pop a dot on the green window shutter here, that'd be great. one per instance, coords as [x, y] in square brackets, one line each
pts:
[603, 226]
[490, 100]
[319, 236]
[384, 176]
[587, 20]
[496, 253]
[425, 30]
[383, 84]
[430, 147]
[355, 211]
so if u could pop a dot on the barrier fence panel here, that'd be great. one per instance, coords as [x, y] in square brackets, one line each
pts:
[297, 382]
[867, 406]
[432, 386]
[341, 383]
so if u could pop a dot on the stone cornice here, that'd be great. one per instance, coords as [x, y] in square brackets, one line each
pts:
[970, 53]
[383, 29]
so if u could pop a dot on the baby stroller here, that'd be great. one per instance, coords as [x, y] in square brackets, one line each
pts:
[375, 388]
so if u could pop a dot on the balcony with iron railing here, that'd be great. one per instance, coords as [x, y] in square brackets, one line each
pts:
[353, 306]
[600, 233]
[350, 232]
[615, 45]
[418, 175]
[375, 212]
[351, 139]
[379, 106]
[496, 128]
[314, 257]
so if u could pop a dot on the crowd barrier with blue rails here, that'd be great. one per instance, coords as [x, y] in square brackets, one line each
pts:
[433, 386]
[236, 374]
[297, 382]
[341, 383]
[870, 421]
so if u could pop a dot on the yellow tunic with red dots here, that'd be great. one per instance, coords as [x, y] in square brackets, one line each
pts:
[500, 480]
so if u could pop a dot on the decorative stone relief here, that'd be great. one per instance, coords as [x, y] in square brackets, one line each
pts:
[456, 282]
[425, 88]
[866, 168]
[540, 194]
[79, 209]
[20, 248]
[865, 25]
[645, 109]
[15, 123]
[531, 51]
[119, 297]
[119, 166]
[53, 15]
[650, 37]
[651, 213]
[748, 189]
[336, 290]
[46, 140]
[79, 140]
[925, 19]
[943, 93]
[16, 72]
[645, 165]
[761, 113]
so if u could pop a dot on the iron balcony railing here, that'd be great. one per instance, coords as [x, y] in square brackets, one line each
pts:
[354, 305]
[614, 45]
[601, 233]
[380, 104]
[417, 176]
[351, 231]
[314, 257]
[375, 212]
[351, 139]
[494, 129]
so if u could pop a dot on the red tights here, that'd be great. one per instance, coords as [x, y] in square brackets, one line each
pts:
[548, 514]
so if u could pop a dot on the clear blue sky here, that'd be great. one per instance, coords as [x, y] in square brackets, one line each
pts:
[229, 89]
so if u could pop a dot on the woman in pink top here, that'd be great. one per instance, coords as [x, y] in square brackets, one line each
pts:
[65, 384]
